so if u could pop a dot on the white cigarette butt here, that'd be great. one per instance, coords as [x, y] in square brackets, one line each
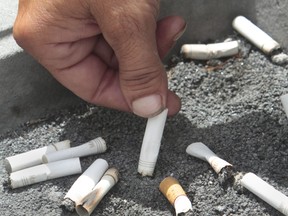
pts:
[33, 157]
[151, 144]
[255, 35]
[90, 201]
[95, 146]
[202, 152]
[210, 51]
[266, 192]
[45, 172]
[284, 101]
[87, 181]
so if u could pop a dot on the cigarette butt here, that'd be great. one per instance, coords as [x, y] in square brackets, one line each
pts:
[33, 157]
[210, 51]
[265, 192]
[95, 146]
[87, 181]
[284, 101]
[151, 144]
[255, 35]
[90, 201]
[173, 191]
[45, 172]
[202, 152]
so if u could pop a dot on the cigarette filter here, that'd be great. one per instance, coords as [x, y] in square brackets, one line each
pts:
[172, 190]
[284, 101]
[95, 146]
[265, 192]
[45, 172]
[202, 152]
[210, 51]
[151, 144]
[87, 181]
[255, 35]
[33, 157]
[90, 201]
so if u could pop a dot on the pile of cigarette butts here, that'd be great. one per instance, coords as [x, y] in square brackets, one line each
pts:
[248, 30]
[60, 159]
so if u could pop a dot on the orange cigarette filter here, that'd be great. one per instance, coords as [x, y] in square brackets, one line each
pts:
[171, 189]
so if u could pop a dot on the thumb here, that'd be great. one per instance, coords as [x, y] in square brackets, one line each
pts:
[131, 32]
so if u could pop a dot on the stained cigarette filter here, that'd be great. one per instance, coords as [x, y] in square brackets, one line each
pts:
[151, 144]
[95, 146]
[265, 192]
[173, 191]
[87, 181]
[90, 201]
[45, 172]
[202, 152]
[210, 51]
[33, 157]
[255, 35]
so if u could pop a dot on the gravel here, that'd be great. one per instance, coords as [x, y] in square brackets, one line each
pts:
[232, 105]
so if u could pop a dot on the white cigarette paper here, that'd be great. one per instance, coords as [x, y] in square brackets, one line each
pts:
[284, 101]
[151, 144]
[255, 35]
[202, 152]
[265, 192]
[95, 146]
[87, 181]
[90, 202]
[45, 172]
[33, 157]
[210, 51]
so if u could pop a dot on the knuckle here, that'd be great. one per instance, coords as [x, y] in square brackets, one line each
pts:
[141, 79]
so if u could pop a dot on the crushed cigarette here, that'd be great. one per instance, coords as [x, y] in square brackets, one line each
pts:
[33, 157]
[210, 51]
[45, 172]
[85, 183]
[151, 144]
[173, 191]
[90, 201]
[255, 35]
[202, 152]
[266, 192]
[95, 146]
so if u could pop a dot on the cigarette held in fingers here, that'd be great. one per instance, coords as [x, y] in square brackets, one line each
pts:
[210, 51]
[202, 152]
[33, 157]
[90, 201]
[255, 35]
[265, 192]
[86, 182]
[95, 146]
[151, 144]
[173, 191]
[45, 172]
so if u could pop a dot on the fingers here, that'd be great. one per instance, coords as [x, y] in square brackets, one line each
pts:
[169, 30]
[130, 30]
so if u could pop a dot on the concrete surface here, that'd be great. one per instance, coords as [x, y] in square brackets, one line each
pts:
[27, 91]
[231, 105]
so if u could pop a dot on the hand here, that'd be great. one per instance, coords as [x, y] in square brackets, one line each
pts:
[106, 52]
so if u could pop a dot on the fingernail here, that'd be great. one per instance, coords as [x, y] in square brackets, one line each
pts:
[148, 106]
[179, 34]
